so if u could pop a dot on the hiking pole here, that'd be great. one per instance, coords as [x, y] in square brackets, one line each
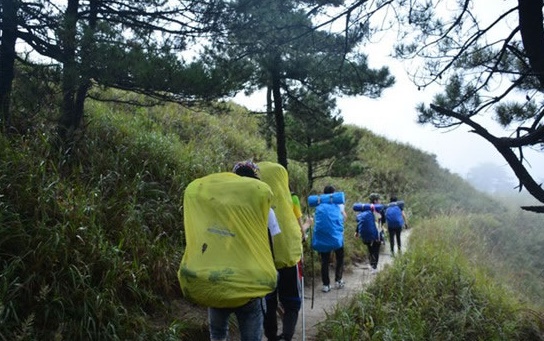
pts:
[313, 273]
[301, 269]
[311, 260]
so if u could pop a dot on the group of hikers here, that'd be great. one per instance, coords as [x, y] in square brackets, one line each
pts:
[244, 234]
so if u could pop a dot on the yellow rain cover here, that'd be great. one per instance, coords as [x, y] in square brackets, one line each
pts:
[287, 244]
[227, 259]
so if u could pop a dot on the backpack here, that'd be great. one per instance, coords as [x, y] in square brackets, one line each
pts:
[393, 217]
[227, 259]
[328, 233]
[366, 227]
[287, 248]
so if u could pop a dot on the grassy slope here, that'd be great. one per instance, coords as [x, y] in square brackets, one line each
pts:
[91, 239]
[449, 286]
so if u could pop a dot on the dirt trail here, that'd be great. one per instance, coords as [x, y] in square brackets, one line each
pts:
[356, 278]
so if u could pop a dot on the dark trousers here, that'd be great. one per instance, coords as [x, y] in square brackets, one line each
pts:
[374, 253]
[289, 293]
[394, 233]
[325, 260]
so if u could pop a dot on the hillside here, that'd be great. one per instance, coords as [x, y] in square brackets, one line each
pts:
[92, 236]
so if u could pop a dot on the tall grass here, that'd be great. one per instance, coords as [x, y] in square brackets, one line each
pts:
[91, 237]
[439, 290]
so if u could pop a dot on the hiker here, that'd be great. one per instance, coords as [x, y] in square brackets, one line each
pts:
[395, 220]
[368, 222]
[250, 316]
[287, 253]
[337, 216]
[228, 264]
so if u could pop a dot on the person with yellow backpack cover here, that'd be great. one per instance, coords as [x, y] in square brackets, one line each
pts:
[287, 256]
[228, 263]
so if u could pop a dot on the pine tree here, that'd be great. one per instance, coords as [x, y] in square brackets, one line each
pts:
[318, 138]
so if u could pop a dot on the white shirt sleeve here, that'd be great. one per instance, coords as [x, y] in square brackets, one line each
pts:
[343, 210]
[273, 225]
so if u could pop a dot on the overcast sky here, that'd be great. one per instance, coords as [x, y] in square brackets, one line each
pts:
[394, 116]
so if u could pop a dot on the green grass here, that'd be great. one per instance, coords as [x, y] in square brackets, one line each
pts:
[439, 290]
[91, 237]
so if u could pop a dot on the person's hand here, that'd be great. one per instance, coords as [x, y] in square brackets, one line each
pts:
[304, 228]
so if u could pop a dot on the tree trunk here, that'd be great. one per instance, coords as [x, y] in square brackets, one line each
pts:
[309, 165]
[269, 118]
[278, 115]
[85, 69]
[79, 105]
[532, 35]
[70, 75]
[309, 172]
[7, 59]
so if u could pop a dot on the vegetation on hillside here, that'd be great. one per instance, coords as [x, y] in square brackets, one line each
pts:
[448, 286]
[91, 223]
[92, 236]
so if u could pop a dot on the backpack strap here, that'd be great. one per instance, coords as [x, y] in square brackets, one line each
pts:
[271, 243]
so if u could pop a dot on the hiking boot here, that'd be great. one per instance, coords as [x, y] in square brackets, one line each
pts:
[340, 284]
[326, 288]
[373, 271]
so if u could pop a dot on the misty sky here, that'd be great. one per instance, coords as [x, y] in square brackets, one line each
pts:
[394, 116]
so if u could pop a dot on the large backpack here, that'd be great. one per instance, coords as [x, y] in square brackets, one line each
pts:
[393, 217]
[287, 246]
[366, 227]
[227, 259]
[328, 231]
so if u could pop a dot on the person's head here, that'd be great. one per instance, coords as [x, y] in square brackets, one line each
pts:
[246, 168]
[393, 198]
[374, 198]
[328, 189]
